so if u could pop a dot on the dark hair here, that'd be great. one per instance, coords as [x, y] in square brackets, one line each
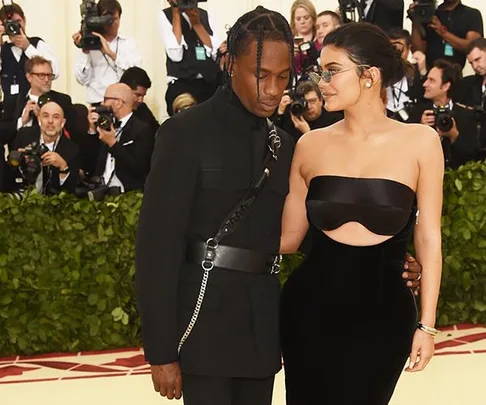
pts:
[367, 44]
[257, 25]
[451, 73]
[479, 43]
[306, 87]
[35, 61]
[335, 16]
[109, 7]
[134, 77]
[398, 33]
[14, 8]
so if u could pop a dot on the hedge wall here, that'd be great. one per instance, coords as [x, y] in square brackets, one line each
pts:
[67, 267]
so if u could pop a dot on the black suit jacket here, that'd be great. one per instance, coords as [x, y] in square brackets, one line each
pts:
[68, 151]
[470, 91]
[466, 146]
[387, 14]
[132, 154]
[144, 114]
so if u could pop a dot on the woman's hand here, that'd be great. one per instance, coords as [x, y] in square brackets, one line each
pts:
[422, 351]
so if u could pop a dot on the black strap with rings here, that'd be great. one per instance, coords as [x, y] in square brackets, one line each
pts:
[230, 223]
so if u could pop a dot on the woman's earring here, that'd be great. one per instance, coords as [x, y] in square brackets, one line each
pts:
[368, 85]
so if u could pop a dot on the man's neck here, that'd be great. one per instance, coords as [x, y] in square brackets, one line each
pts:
[111, 37]
[49, 139]
[451, 6]
[122, 115]
[442, 101]
[36, 93]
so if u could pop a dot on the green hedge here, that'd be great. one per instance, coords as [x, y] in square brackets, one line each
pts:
[67, 267]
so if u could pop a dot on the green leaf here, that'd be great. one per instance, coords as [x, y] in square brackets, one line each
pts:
[458, 184]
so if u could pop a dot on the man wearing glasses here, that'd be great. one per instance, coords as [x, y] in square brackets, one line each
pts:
[18, 50]
[120, 155]
[314, 116]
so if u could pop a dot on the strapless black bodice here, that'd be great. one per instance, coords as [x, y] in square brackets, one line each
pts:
[383, 206]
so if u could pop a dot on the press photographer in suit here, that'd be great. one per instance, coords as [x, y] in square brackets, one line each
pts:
[60, 164]
[387, 14]
[454, 123]
[121, 155]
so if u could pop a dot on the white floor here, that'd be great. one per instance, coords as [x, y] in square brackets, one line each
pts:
[456, 376]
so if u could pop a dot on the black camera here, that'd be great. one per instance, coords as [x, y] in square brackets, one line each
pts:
[298, 104]
[443, 119]
[184, 4]
[95, 189]
[92, 22]
[423, 12]
[106, 117]
[29, 161]
[12, 27]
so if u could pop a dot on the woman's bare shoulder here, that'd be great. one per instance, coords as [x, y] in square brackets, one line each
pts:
[320, 135]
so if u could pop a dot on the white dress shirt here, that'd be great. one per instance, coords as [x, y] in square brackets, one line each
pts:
[97, 71]
[43, 50]
[175, 51]
[109, 174]
[29, 123]
[40, 178]
[367, 7]
[396, 95]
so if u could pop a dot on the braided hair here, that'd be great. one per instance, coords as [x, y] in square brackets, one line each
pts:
[258, 25]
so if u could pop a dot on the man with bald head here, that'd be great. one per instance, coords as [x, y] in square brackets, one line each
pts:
[123, 153]
[60, 165]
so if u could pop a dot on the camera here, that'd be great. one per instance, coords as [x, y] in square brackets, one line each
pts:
[12, 27]
[443, 119]
[95, 189]
[29, 161]
[106, 117]
[92, 22]
[184, 4]
[423, 12]
[298, 104]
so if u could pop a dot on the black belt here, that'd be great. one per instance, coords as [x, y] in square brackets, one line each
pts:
[233, 258]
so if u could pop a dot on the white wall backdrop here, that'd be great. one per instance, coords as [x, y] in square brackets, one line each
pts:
[56, 20]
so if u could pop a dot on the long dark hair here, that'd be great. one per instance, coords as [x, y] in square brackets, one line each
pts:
[257, 25]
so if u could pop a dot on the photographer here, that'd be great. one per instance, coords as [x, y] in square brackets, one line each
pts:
[138, 80]
[454, 123]
[122, 145]
[445, 33]
[326, 22]
[191, 42]
[473, 88]
[303, 110]
[17, 50]
[387, 14]
[97, 69]
[55, 167]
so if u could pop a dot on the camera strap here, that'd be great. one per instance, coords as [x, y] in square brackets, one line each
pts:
[233, 219]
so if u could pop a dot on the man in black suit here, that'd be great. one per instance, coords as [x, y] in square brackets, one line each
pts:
[387, 14]
[139, 81]
[121, 156]
[22, 111]
[459, 142]
[472, 90]
[60, 165]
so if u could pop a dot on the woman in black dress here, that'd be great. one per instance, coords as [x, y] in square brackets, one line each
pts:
[349, 322]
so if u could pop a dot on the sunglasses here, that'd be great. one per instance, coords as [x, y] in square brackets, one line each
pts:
[327, 75]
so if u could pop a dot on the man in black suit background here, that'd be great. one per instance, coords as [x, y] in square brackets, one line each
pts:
[60, 165]
[387, 14]
[472, 91]
[139, 81]
[121, 156]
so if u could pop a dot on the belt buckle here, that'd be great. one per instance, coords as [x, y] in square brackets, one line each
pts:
[276, 264]
[208, 262]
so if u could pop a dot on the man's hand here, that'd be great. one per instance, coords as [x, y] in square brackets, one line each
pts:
[419, 56]
[54, 159]
[428, 118]
[286, 100]
[20, 40]
[437, 26]
[29, 107]
[92, 119]
[412, 273]
[105, 48]
[194, 17]
[453, 134]
[167, 380]
[300, 124]
[107, 137]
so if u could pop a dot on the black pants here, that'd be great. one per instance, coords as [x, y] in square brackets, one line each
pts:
[200, 89]
[198, 390]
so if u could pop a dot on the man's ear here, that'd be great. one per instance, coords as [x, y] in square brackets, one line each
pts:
[446, 86]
